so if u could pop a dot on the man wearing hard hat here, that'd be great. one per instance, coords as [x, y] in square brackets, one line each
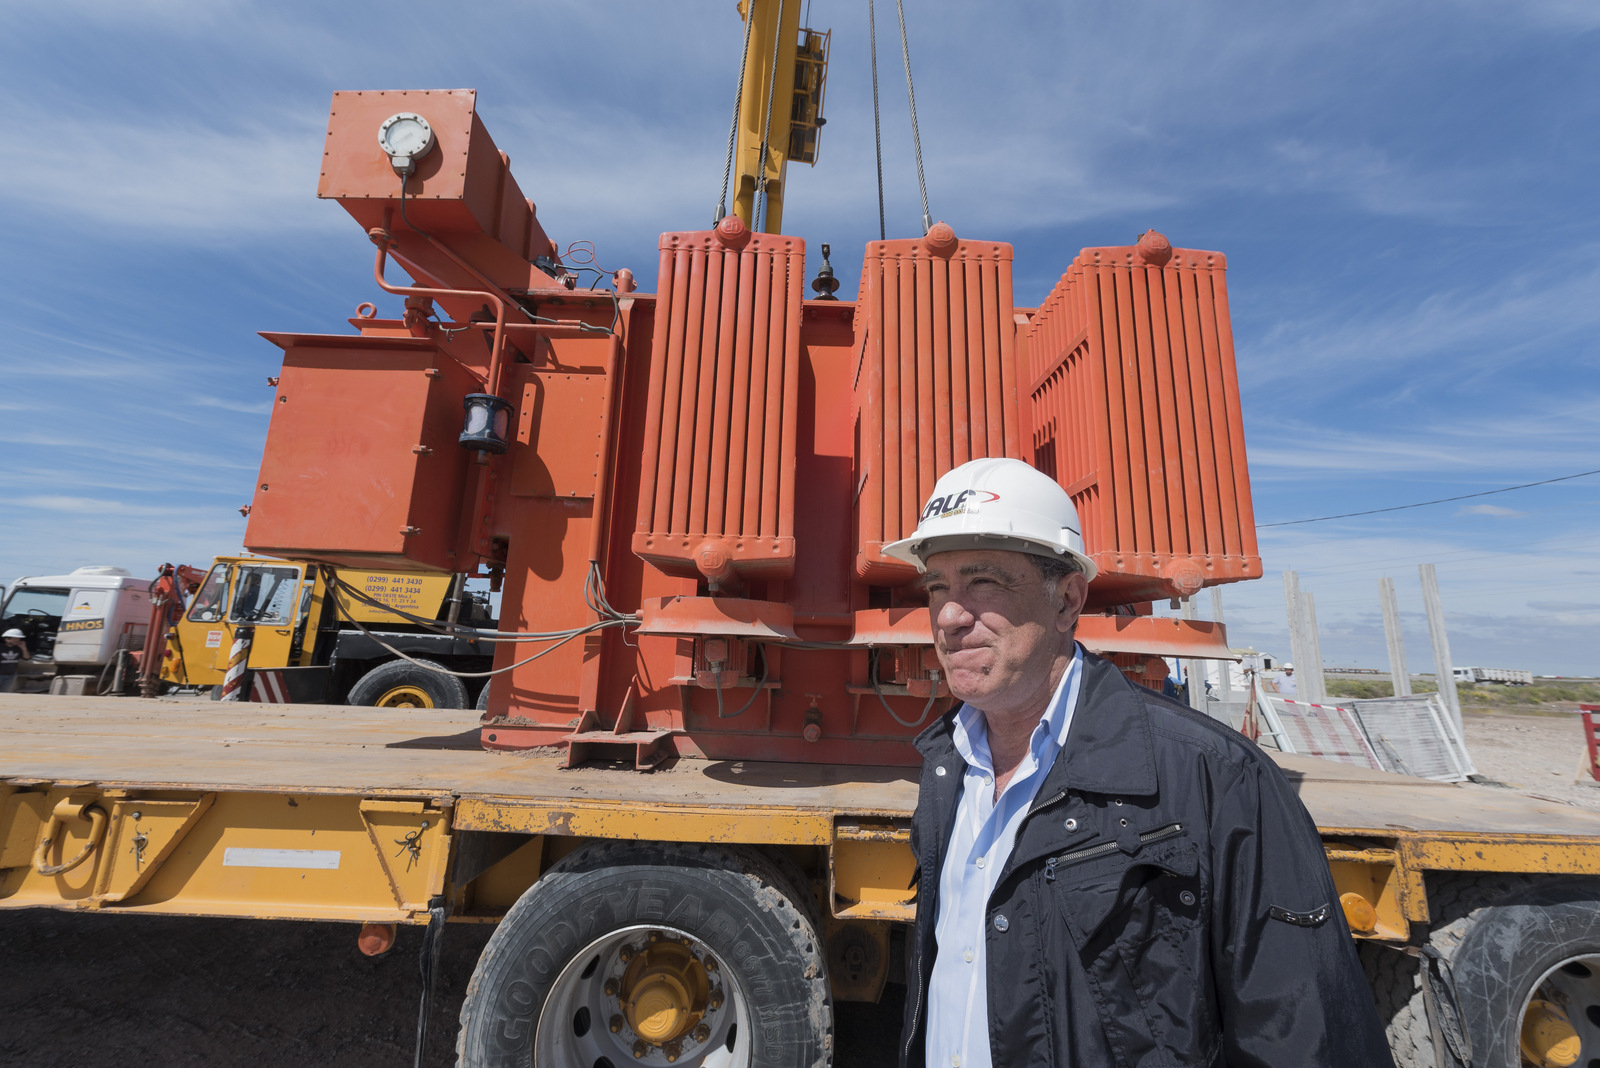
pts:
[1105, 876]
[1285, 682]
[13, 651]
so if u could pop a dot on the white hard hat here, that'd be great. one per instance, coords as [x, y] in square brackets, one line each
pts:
[13, 633]
[996, 504]
[1288, 667]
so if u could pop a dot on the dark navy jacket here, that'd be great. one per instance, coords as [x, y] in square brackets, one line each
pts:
[1167, 902]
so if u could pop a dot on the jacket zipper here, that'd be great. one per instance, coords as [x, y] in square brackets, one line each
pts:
[916, 1008]
[1105, 848]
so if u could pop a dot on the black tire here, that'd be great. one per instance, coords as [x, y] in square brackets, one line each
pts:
[597, 908]
[483, 696]
[1506, 938]
[402, 684]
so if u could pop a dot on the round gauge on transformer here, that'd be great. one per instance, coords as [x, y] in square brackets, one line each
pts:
[405, 137]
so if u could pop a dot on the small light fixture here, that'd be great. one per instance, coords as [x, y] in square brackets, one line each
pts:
[487, 419]
[405, 137]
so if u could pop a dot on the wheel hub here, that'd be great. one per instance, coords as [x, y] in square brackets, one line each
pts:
[1561, 1023]
[1548, 1038]
[405, 697]
[654, 995]
[664, 991]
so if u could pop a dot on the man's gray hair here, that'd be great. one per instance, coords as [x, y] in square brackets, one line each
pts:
[1054, 568]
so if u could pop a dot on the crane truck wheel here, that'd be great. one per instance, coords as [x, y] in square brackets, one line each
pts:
[1524, 954]
[402, 684]
[652, 954]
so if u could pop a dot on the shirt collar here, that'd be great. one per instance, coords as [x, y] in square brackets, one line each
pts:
[971, 735]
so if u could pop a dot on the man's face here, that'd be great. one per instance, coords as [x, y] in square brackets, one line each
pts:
[999, 626]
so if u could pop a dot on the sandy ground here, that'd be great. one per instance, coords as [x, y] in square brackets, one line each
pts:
[1543, 755]
[96, 991]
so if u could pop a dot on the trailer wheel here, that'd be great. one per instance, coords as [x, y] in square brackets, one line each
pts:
[652, 954]
[402, 684]
[1525, 955]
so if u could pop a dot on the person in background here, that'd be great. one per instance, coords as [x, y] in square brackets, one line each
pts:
[13, 651]
[1285, 682]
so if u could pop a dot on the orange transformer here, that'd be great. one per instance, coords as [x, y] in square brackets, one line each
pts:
[683, 497]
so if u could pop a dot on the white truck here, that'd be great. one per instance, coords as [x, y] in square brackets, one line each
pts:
[75, 625]
[1504, 676]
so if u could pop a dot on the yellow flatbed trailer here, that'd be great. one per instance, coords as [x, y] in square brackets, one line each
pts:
[189, 807]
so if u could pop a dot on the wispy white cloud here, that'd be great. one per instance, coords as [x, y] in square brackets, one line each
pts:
[167, 175]
[1489, 509]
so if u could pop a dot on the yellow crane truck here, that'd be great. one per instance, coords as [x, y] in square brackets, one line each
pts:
[308, 646]
[689, 821]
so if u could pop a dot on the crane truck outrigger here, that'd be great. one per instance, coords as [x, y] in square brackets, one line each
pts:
[706, 667]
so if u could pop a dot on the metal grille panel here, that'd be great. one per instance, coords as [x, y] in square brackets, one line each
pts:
[1133, 406]
[935, 379]
[717, 493]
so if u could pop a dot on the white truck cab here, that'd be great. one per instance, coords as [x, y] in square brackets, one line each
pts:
[75, 624]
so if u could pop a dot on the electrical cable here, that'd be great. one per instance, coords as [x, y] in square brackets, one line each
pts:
[738, 101]
[760, 212]
[441, 670]
[760, 686]
[877, 129]
[916, 138]
[1424, 504]
[877, 689]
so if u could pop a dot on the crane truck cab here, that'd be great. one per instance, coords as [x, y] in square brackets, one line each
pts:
[310, 633]
[75, 624]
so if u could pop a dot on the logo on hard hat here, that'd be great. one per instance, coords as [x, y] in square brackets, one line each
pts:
[954, 504]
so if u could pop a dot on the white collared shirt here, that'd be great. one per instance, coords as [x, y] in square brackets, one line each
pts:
[980, 844]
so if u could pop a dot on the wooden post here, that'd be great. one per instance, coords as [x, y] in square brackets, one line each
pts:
[1312, 671]
[1398, 671]
[1441, 644]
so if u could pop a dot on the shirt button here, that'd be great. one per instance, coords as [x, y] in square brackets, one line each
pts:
[989, 780]
[939, 770]
[981, 861]
[955, 1060]
[1002, 924]
[967, 956]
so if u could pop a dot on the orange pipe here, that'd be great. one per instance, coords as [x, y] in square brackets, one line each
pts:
[939, 459]
[667, 489]
[492, 379]
[930, 413]
[909, 502]
[760, 356]
[871, 406]
[791, 391]
[692, 399]
[722, 442]
[603, 489]
[960, 412]
[743, 360]
[652, 488]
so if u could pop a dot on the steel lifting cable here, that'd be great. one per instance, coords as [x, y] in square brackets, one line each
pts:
[759, 216]
[877, 129]
[738, 101]
[916, 138]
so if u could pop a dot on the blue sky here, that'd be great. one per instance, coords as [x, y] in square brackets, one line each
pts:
[1404, 190]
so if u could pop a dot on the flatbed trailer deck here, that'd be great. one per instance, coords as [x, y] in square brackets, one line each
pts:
[189, 807]
[275, 777]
